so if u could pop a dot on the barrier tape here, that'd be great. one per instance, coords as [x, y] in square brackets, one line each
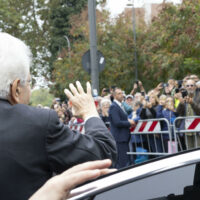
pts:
[146, 126]
[77, 127]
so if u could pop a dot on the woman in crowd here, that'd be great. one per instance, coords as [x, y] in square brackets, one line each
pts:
[148, 112]
[105, 105]
[166, 109]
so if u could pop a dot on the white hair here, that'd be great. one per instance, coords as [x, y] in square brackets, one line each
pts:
[105, 101]
[15, 61]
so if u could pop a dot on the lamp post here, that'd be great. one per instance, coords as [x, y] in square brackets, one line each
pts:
[93, 46]
[69, 46]
[134, 37]
[69, 49]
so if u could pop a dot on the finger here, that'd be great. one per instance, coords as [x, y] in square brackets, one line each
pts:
[106, 171]
[90, 165]
[68, 93]
[73, 89]
[77, 178]
[71, 181]
[79, 87]
[89, 90]
[100, 164]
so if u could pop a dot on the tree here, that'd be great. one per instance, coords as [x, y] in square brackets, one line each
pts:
[171, 45]
[41, 96]
[60, 13]
[42, 25]
[115, 41]
[22, 19]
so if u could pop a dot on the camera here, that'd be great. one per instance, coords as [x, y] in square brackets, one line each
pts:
[177, 90]
[184, 93]
[137, 82]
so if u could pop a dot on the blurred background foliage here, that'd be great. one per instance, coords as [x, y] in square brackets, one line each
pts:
[42, 97]
[169, 47]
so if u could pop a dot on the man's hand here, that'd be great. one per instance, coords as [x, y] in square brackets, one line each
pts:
[135, 86]
[159, 87]
[103, 92]
[188, 100]
[140, 84]
[132, 122]
[59, 187]
[149, 105]
[82, 103]
[144, 103]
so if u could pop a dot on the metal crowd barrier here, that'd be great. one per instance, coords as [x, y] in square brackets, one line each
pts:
[187, 129]
[148, 135]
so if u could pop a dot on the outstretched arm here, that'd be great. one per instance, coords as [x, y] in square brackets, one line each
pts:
[59, 187]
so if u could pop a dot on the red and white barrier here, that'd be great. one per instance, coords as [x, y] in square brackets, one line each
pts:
[192, 124]
[147, 126]
[77, 127]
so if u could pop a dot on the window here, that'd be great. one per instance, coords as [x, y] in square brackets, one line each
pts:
[159, 185]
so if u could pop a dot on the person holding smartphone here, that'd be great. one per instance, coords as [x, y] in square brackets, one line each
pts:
[189, 106]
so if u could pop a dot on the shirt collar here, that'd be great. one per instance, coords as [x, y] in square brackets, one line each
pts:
[118, 103]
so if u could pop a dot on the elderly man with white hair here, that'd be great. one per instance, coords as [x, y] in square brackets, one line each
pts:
[189, 106]
[33, 142]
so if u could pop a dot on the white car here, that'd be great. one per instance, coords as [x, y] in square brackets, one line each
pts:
[172, 177]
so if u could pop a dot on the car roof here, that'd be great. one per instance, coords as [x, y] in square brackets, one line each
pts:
[135, 172]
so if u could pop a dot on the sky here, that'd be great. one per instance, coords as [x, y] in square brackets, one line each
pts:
[117, 6]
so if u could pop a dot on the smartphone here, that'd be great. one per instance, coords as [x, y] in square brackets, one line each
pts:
[165, 85]
[147, 98]
[106, 90]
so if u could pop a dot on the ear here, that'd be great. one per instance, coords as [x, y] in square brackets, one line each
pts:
[15, 91]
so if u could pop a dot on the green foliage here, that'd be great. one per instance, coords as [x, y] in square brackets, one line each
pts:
[22, 19]
[42, 25]
[60, 13]
[115, 41]
[171, 45]
[41, 96]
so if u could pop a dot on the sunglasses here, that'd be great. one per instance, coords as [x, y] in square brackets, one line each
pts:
[189, 85]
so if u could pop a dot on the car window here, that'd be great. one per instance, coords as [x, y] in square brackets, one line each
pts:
[159, 186]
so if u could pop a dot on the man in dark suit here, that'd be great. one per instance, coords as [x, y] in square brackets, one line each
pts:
[33, 142]
[119, 127]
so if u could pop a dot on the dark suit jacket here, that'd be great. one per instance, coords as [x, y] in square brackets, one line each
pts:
[34, 143]
[119, 124]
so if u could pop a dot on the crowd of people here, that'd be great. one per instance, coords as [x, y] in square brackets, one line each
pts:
[168, 100]
[37, 143]
[176, 98]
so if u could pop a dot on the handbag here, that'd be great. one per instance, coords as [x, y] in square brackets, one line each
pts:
[172, 146]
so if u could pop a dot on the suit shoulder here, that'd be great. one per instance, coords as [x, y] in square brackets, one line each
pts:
[114, 105]
[33, 113]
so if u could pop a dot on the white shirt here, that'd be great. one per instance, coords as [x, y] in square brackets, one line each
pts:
[118, 103]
